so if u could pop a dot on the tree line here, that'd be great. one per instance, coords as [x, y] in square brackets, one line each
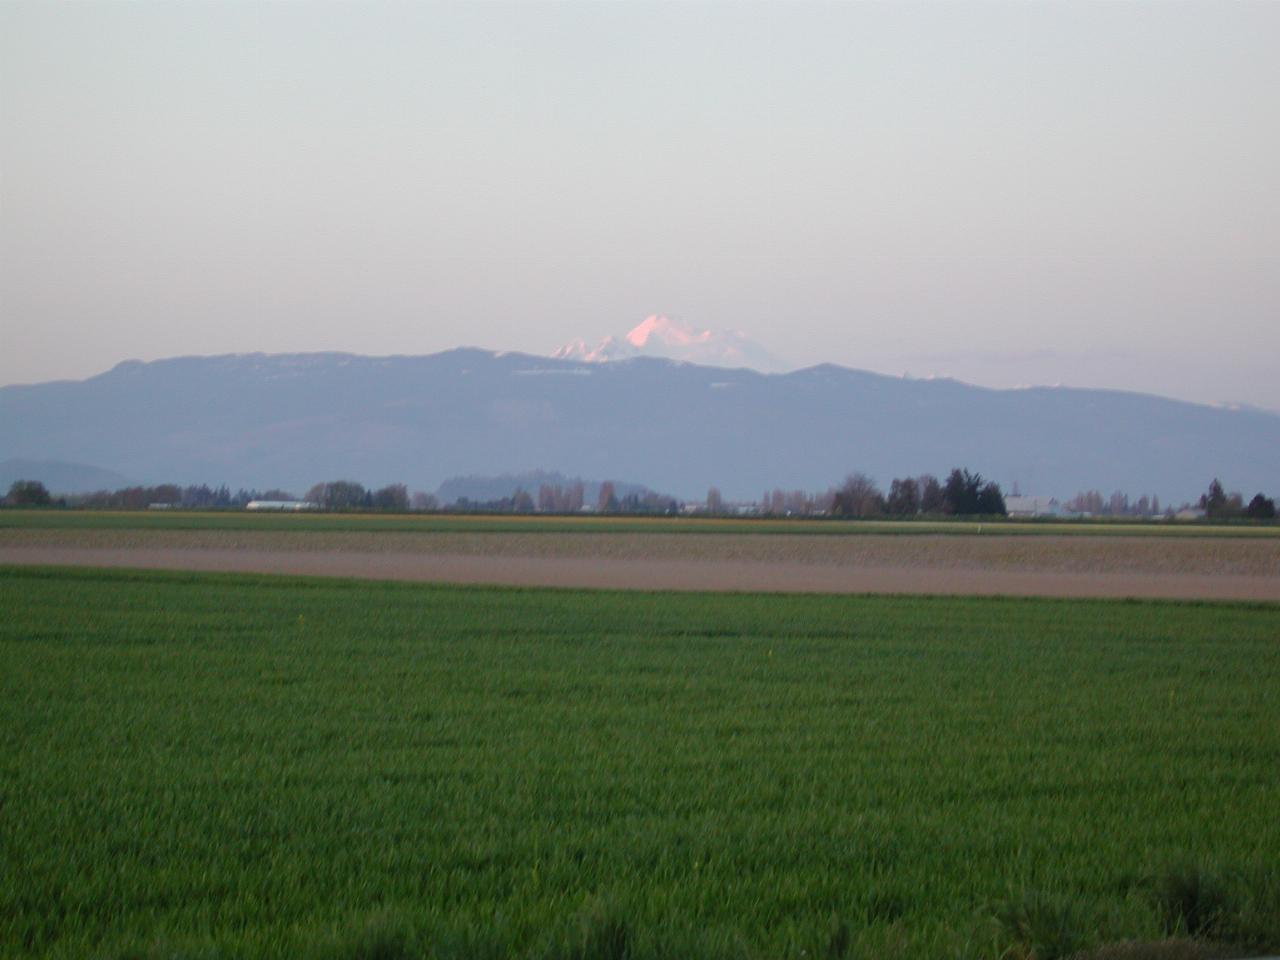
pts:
[571, 498]
[334, 495]
[963, 493]
[32, 493]
[1217, 504]
[350, 495]
[1091, 502]
[344, 495]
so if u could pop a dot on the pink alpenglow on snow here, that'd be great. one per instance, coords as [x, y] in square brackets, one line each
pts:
[660, 336]
[667, 331]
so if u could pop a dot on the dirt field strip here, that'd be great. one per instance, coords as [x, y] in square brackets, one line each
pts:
[663, 573]
[1048, 553]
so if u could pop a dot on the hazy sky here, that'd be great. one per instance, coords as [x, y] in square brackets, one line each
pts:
[1009, 193]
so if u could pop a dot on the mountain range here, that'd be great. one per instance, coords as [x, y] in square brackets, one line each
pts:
[291, 420]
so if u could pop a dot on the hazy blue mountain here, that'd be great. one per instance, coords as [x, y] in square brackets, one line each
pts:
[291, 420]
[59, 477]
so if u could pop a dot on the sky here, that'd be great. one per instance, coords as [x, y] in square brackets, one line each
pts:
[1011, 193]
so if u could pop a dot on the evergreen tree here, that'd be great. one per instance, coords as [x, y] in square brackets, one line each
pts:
[904, 498]
[1261, 508]
[1214, 502]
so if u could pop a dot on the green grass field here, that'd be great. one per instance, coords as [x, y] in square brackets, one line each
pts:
[23, 519]
[239, 766]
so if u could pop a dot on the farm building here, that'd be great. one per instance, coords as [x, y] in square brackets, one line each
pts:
[1033, 506]
[290, 506]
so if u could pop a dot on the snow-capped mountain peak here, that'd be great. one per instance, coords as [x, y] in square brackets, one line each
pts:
[659, 336]
[668, 332]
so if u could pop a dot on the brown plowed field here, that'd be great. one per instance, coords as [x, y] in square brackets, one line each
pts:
[1103, 566]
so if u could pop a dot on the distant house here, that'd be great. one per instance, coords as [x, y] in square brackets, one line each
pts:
[1027, 507]
[288, 506]
[1191, 513]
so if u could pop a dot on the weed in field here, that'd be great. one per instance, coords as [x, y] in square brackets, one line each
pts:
[1158, 950]
[382, 936]
[839, 941]
[161, 950]
[1035, 926]
[1192, 901]
[884, 906]
[471, 944]
[602, 933]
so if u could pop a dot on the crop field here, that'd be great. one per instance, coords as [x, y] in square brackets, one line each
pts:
[239, 766]
[239, 520]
